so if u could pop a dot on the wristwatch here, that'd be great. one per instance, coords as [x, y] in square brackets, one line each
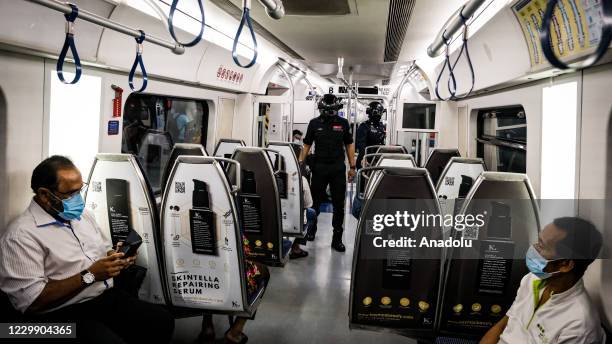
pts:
[87, 278]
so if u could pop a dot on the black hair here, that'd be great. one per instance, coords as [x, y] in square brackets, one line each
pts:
[581, 244]
[45, 174]
[297, 132]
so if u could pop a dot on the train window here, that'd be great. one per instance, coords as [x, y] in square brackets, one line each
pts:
[502, 138]
[74, 119]
[152, 124]
[419, 116]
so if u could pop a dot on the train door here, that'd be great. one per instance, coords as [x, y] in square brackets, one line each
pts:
[225, 119]
[273, 114]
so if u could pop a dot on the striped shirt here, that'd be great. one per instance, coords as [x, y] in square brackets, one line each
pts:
[37, 248]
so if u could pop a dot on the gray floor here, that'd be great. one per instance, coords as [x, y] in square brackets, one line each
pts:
[306, 301]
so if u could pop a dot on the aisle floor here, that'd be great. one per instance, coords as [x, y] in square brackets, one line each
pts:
[306, 301]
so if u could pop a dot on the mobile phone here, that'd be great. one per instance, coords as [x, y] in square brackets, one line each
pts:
[131, 244]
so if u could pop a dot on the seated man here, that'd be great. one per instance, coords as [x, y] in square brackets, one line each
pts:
[55, 266]
[551, 304]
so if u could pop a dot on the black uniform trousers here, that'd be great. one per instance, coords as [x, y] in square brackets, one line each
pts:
[332, 173]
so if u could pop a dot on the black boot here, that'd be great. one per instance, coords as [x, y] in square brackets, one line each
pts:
[337, 243]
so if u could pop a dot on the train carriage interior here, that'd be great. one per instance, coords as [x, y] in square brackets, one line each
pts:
[337, 171]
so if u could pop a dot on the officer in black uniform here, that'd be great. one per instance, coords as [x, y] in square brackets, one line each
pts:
[332, 138]
[371, 132]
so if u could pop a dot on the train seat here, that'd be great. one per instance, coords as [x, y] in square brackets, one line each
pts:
[154, 153]
[456, 181]
[290, 185]
[191, 149]
[260, 206]
[120, 198]
[437, 160]
[202, 240]
[481, 280]
[225, 147]
[396, 287]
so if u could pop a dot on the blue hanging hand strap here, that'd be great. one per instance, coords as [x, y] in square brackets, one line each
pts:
[245, 18]
[452, 89]
[604, 41]
[171, 24]
[137, 62]
[69, 44]
[451, 76]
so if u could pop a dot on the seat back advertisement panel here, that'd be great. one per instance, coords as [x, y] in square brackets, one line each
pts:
[117, 195]
[291, 205]
[200, 239]
[482, 280]
[455, 183]
[395, 282]
[260, 206]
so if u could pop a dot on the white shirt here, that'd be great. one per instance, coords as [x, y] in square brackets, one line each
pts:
[306, 191]
[567, 317]
[36, 248]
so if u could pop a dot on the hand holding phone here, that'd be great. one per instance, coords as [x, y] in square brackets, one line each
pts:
[130, 245]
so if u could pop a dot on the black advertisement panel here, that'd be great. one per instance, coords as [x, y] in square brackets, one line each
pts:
[251, 213]
[117, 199]
[202, 226]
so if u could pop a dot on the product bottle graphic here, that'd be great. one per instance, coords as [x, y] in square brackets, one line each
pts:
[202, 222]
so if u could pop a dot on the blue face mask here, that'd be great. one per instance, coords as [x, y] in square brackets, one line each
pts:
[536, 263]
[73, 207]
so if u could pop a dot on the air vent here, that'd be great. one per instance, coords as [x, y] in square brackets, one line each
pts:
[316, 7]
[400, 12]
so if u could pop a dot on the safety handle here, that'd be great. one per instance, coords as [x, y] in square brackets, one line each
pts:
[367, 157]
[69, 44]
[278, 167]
[246, 17]
[361, 175]
[604, 42]
[452, 88]
[198, 38]
[238, 185]
[451, 75]
[138, 62]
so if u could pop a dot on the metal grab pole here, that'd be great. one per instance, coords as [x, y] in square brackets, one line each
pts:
[292, 105]
[454, 24]
[274, 8]
[109, 24]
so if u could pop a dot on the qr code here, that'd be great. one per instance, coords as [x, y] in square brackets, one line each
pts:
[96, 186]
[449, 181]
[179, 187]
[470, 233]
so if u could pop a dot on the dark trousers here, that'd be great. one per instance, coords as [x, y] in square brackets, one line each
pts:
[115, 317]
[334, 175]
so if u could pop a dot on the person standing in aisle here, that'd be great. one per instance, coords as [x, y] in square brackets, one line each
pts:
[332, 138]
[371, 132]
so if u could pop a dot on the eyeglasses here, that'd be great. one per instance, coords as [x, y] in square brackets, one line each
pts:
[73, 193]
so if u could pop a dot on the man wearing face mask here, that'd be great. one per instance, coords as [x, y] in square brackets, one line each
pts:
[551, 304]
[371, 132]
[56, 266]
[332, 138]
